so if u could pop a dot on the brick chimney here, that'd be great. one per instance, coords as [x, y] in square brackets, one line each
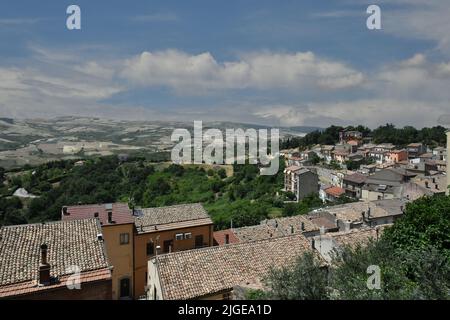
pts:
[44, 267]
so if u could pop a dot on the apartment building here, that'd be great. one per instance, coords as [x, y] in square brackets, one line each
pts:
[63, 260]
[301, 182]
[165, 230]
[416, 149]
[117, 223]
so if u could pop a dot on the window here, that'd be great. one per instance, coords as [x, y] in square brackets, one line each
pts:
[124, 238]
[150, 248]
[188, 235]
[179, 236]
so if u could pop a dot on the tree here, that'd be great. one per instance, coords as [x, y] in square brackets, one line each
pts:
[305, 280]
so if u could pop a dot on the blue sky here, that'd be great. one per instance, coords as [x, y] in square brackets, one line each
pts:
[269, 62]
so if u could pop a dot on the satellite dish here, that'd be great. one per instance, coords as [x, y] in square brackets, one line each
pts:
[444, 120]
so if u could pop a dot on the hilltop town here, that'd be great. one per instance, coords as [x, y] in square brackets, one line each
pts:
[331, 198]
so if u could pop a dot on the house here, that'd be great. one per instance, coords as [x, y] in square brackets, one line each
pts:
[333, 193]
[212, 273]
[117, 223]
[425, 186]
[416, 149]
[360, 214]
[64, 260]
[440, 154]
[301, 182]
[448, 163]
[168, 229]
[327, 152]
[346, 136]
[385, 184]
[397, 155]
[353, 183]
[329, 244]
[341, 156]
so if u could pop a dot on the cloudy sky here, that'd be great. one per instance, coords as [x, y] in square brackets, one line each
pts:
[280, 63]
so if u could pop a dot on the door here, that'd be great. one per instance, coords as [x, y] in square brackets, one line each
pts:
[125, 288]
[199, 241]
[168, 246]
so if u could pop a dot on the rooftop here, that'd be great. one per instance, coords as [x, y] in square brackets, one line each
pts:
[196, 273]
[172, 217]
[335, 191]
[121, 213]
[69, 243]
[355, 178]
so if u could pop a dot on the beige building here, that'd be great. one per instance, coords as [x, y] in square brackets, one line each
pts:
[448, 161]
[117, 222]
[168, 229]
[301, 182]
[212, 273]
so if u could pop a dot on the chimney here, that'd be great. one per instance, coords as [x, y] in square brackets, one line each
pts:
[110, 220]
[44, 267]
[95, 214]
[227, 238]
[64, 211]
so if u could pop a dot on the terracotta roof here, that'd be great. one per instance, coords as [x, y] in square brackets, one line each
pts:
[357, 237]
[121, 213]
[70, 243]
[274, 228]
[196, 273]
[219, 237]
[335, 191]
[172, 217]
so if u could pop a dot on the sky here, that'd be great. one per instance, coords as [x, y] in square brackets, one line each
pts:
[271, 62]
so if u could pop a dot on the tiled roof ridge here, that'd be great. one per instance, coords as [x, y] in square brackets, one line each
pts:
[247, 243]
[43, 223]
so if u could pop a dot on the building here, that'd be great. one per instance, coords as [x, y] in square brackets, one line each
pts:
[168, 229]
[117, 222]
[46, 260]
[440, 154]
[212, 273]
[353, 184]
[332, 193]
[416, 149]
[331, 243]
[397, 156]
[386, 184]
[301, 182]
[448, 162]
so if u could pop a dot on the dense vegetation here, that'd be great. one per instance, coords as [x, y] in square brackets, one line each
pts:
[244, 198]
[413, 256]
[388, 133]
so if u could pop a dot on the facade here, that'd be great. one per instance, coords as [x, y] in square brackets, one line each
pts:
[448, 162]
[47, 260]
[165, 230]
[117, 222]
[333, 193]
[397, 156]
[301, 182]
[212, 273]
[416, 149]
[353, 185]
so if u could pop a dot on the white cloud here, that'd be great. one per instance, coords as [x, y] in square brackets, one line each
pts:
[200, 73]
